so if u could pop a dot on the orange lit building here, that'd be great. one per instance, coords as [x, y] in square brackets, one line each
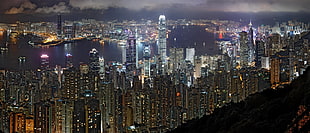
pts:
[275, 71]
[29, 124]
[17, 122]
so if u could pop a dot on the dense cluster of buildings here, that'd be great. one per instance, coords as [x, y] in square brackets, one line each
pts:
[154, 93]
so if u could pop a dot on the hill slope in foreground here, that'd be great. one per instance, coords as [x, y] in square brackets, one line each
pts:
[282, 110]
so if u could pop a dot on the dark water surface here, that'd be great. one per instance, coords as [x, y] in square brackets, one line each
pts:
[180, 37]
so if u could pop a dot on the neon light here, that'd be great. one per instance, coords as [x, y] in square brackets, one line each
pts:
[44, 56]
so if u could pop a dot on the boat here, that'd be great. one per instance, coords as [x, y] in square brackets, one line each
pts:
[3, 49]
[122, 42]
[22, 58]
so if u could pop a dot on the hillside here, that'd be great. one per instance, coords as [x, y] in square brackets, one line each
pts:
[283, 110]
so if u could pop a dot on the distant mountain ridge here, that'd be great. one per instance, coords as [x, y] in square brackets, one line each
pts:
[271, 111]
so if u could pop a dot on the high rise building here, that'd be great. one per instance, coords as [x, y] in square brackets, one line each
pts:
[162, 43]
[146, 60]
[69, 62]
[123, 49]
[101, 67]
[274, 44]
[190, 54]
[275, 71]
[259, 52]
[244, 49]
[2, 85]
[62, 113]
[197, 64]
[69, 85]
[17, 122]
[86, 118]
[59, 26]
[94, 61]
[265, 62]
[251, 43]
[41, 117]
[44, 61]
[68, 31]
[131, 57]
[176, 58]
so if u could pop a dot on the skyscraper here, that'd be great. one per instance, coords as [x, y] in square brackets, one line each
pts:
[251, 43]
[190, 53]
[69, 61]
[162, 46]
[102, 68]
[162, 42]
[59, 26]
[146, 60]
[94, 60]
[176, 58]
[259, 52]
[244, 49]
[44, 61]
[68, 31]
[131, 57]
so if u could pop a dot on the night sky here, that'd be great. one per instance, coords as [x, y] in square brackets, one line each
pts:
[34, 9]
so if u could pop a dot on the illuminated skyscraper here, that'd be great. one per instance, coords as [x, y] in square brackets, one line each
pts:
[69, 61]
[69, 85]
[44, 61]
[59, 26]
[251, 43]
[146, 60]
[86, 118]
[131, 57]
[162, 45]
[101, 69]
[94, 60]
[259, 52]
[244, 49]
[176, 58]
[190, 53]
[68, 31]
[162, 42]
[275, 71]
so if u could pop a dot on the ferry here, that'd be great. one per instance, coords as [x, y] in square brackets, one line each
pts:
[122, 42]
[3, 49]
[22, 58]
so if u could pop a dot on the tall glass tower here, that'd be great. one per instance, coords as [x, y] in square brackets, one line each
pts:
[162, 42]
[94, 60]
[131, 50]
[59, 26]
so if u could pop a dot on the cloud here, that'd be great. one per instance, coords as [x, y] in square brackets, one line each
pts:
[258, 5]
[65, 6]
[61, 7]
[208, 5]
[25, 6]
[131, 4]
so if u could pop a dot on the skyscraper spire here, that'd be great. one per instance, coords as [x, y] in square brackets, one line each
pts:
[250, 24]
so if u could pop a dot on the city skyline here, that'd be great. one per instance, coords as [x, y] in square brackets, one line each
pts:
[103, 66]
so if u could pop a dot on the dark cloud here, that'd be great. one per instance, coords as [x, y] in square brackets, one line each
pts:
[131, 4]
[59, 8]
[64, 6]
[25, 6]
[212, 5]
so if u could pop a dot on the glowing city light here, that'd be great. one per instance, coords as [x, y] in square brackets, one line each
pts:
[44, 56]
[68, 55]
